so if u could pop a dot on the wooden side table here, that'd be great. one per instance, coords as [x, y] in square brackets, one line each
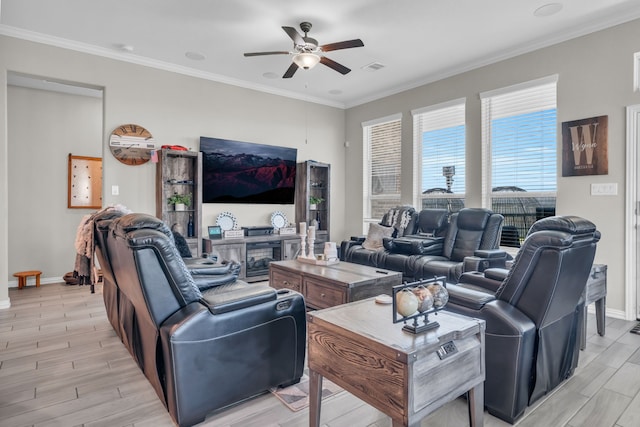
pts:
[595, 292]
[22, 277]
[358, 347]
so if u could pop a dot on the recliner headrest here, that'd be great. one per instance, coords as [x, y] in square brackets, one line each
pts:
[432, 219]
[138, 221]
[570, 224]
[473, 218]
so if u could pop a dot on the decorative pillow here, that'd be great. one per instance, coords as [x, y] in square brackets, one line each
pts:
[398, 218]
[375, 235]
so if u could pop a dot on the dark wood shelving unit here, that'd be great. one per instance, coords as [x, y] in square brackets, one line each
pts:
[314, 179]
[180, 172]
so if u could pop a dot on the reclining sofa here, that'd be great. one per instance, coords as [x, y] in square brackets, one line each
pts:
[437, 245]
[533, 313]
[201, 350]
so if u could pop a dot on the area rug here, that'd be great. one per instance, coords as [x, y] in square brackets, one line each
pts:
[296, 397]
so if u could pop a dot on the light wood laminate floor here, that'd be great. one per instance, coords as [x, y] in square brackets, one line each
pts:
[61, 364]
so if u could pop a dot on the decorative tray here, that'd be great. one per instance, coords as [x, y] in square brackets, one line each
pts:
[317, 261]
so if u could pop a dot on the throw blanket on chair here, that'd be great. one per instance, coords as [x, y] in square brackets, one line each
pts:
[85, 246]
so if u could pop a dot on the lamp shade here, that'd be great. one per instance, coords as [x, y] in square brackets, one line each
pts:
[306, 60]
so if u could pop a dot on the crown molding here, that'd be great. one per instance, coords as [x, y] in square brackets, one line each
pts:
[602, 23]
[152, 63]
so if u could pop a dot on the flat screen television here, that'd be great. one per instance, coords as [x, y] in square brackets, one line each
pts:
[245, 172]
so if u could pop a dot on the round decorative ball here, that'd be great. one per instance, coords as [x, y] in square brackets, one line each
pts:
[425, 298]
[406, 303]
[440, 294]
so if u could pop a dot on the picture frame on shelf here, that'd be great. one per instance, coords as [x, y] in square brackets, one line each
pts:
[215, 232]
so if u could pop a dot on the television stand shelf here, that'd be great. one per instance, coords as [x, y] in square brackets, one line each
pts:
[254, 253]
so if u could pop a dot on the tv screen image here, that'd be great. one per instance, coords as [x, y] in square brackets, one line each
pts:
[245, 172]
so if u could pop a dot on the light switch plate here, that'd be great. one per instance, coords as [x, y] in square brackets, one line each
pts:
[115, 190]
[605, 189]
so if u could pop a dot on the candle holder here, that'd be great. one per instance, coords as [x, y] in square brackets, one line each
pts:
[303, 244]
[311, 239]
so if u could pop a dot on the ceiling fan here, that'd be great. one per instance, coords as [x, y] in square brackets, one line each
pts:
[306, 52]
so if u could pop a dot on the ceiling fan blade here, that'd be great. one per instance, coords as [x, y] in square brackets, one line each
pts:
[347, 44]
[290, 71]
[277, 52]
[295, 36]
[333, 64]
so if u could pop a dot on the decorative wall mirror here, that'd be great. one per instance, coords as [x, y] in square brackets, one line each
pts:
[85, 182]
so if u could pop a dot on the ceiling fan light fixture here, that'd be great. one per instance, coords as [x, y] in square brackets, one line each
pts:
[306, 60]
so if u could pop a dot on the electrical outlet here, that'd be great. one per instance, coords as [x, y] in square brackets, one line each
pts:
[606, 189]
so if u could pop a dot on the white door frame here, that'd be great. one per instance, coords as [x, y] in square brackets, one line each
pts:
[632, 205]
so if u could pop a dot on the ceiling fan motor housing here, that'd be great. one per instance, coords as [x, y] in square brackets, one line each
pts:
[307, 52]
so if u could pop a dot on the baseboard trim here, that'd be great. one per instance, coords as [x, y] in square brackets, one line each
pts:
[32, 281]
[614, 314]
[5, 303]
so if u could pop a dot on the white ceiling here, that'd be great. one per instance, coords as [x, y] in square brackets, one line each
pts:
[417, 41]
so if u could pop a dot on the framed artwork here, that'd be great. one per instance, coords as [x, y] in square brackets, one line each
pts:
[584, 147]
[84, 189]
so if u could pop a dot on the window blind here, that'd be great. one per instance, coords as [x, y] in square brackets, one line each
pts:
[382, 168]
[439, 155]
[519, 137]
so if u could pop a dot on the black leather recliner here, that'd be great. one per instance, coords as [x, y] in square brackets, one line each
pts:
[201, 351]
[471, 232]
[110, 292]
[206, 272]
[533, 317]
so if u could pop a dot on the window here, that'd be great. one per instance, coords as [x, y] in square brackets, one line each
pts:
[382, 167]
[439, 155]
[519, 155]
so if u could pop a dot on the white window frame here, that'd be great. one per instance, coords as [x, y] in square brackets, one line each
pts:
[417, 145]
[488, 115]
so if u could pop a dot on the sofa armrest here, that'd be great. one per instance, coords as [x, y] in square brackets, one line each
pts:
[206, 267]
[235, 296]
[486, 258]
[200, 349]
[492, 254]
[469, 298]
[346, 246]
[485, 281]
[416, 244]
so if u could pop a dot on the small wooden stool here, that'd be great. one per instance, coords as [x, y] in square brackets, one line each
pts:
[22, 277]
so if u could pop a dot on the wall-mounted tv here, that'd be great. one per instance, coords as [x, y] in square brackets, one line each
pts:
[245, 172]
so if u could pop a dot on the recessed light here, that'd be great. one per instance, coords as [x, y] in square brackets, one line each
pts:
[270, 75]
[195, 56]
[548, 9]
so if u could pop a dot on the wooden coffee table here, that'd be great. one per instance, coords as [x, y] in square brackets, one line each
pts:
[327, 286]
[406, 376]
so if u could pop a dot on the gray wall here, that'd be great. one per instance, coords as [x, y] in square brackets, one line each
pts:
[595, 78]
[176, 109]
[44, 127]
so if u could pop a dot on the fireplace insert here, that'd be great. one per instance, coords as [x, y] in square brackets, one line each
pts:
[259, 255]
